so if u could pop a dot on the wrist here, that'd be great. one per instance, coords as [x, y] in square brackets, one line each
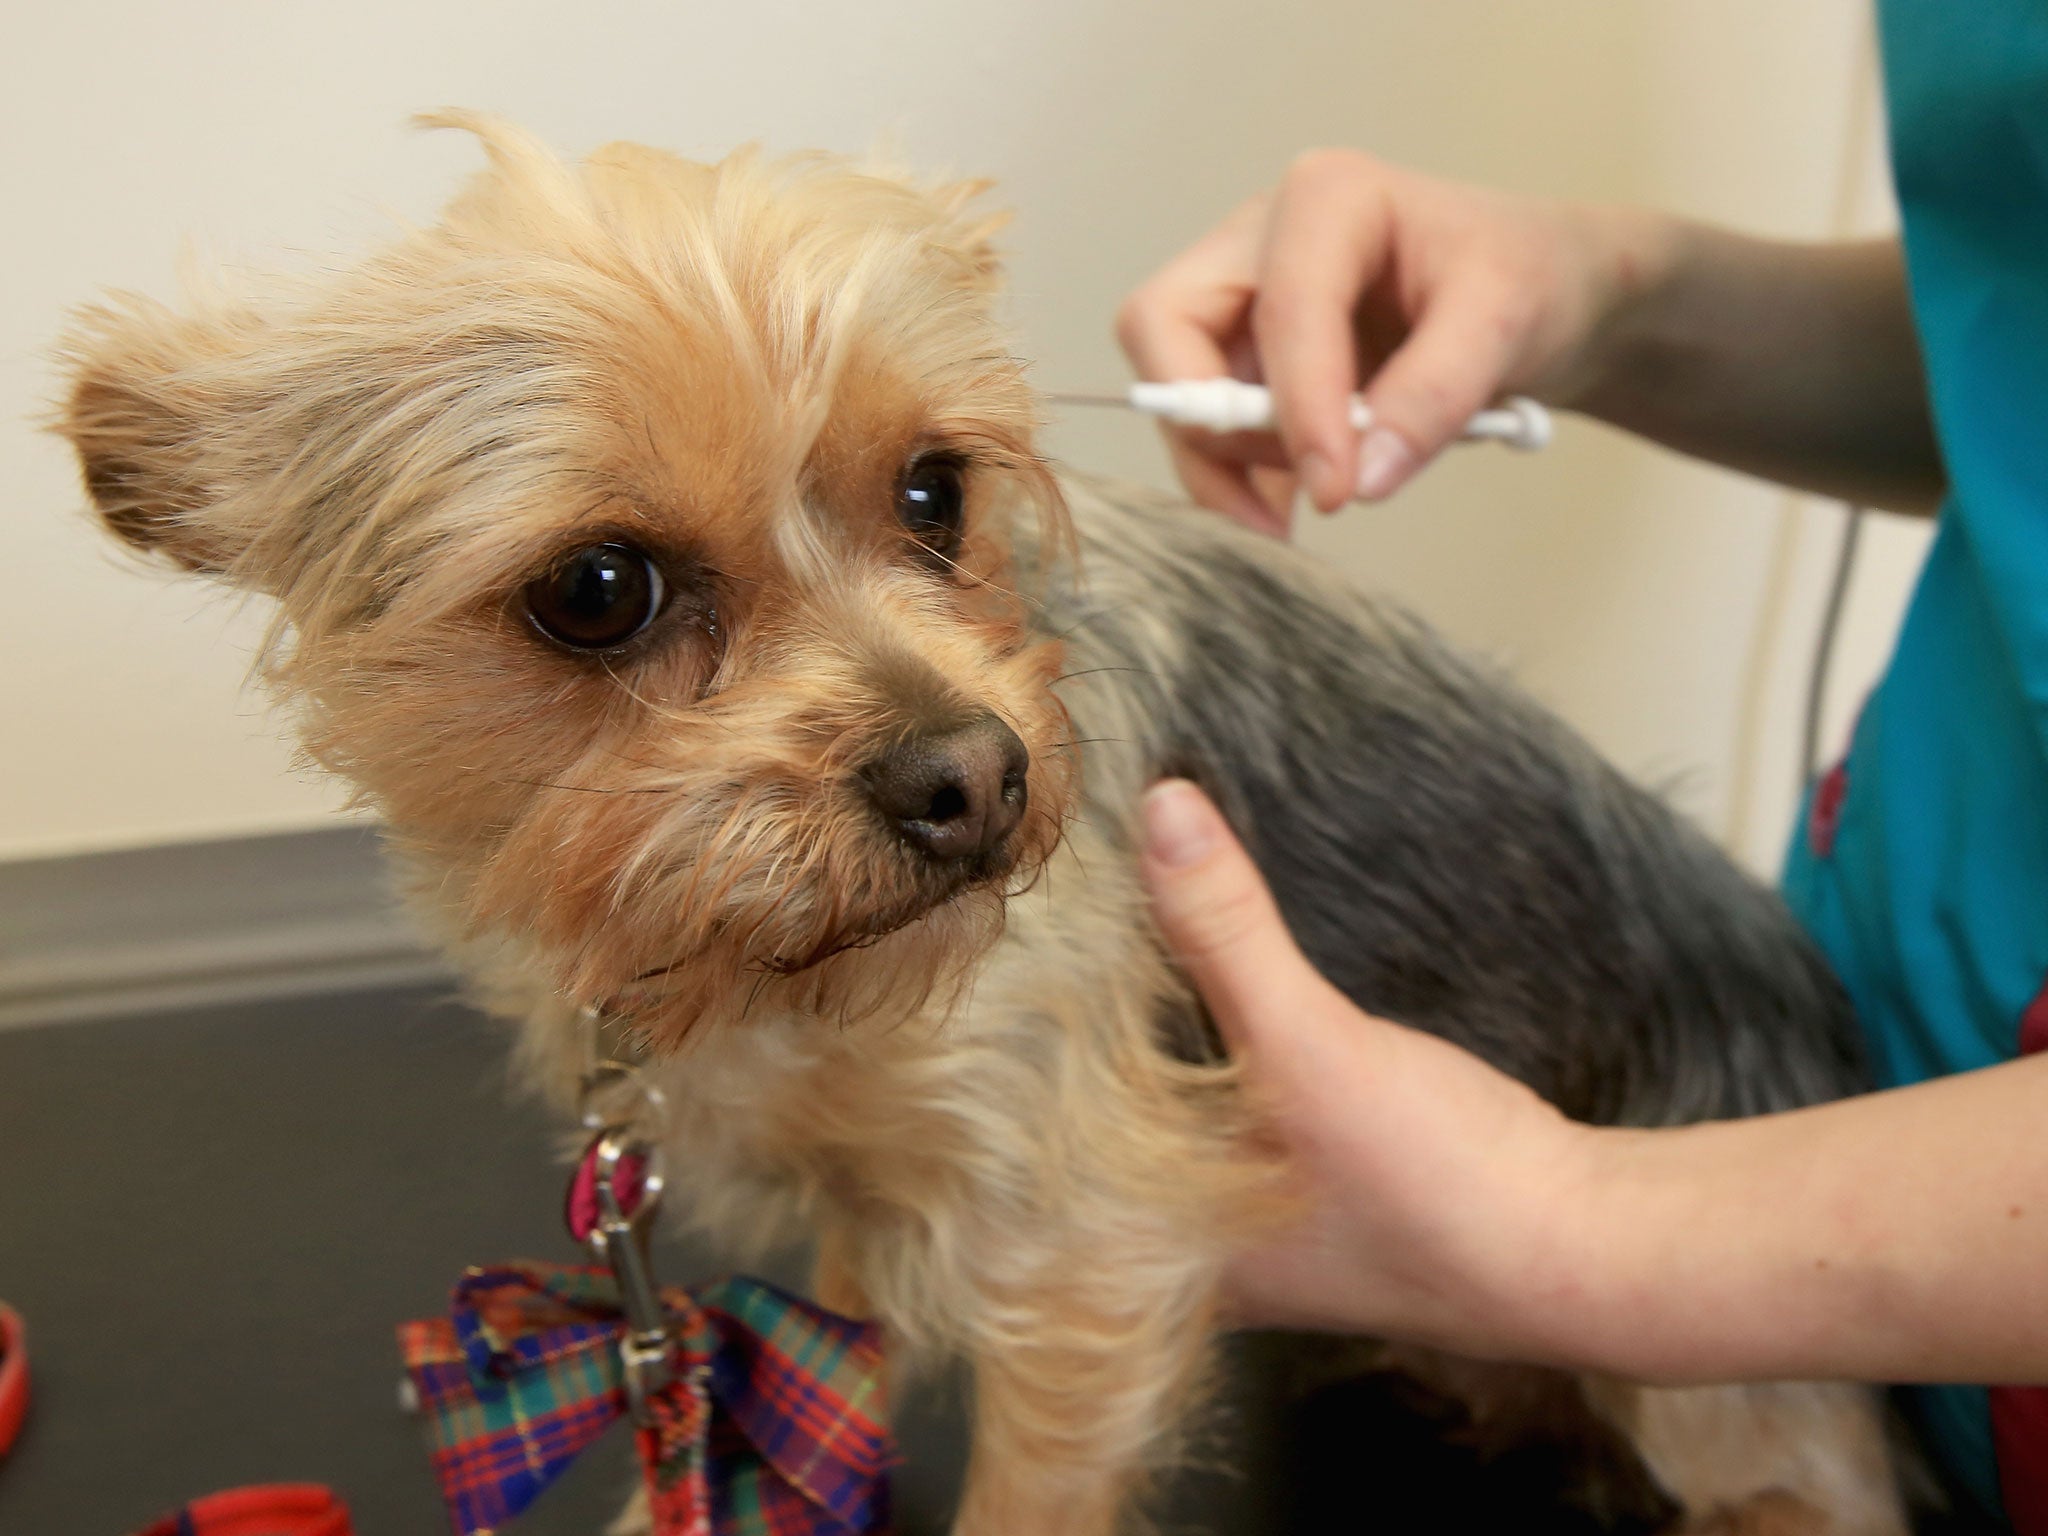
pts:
[1635, 260]
[1560, 1257]
[1586, 1297]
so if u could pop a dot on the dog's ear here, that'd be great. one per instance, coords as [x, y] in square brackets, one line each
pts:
[970, 231]
[150, 403]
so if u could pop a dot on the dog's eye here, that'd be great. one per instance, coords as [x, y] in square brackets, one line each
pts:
[597, 598]
[932, 503]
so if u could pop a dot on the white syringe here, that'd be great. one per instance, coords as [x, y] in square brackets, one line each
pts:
[1231, 405]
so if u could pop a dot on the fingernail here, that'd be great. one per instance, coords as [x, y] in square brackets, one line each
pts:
[1383, 463]
[1180, 828]
[1318, 475]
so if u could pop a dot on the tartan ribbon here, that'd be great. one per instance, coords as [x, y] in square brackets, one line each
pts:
[774, 1424]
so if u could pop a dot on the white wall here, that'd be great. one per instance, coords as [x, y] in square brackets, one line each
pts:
[1631, 590]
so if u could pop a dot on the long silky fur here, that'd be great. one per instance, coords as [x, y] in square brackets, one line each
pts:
[993, 1099]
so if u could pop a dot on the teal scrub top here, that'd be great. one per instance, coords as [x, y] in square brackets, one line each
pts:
[1922, 867]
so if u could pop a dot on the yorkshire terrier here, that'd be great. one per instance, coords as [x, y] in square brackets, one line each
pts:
[663, 552]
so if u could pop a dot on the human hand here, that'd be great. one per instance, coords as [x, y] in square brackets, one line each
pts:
[1885, 1237]
[1441, 297]
[1440, 1192]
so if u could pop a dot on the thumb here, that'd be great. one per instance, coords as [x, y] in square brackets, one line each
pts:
[1219, 919]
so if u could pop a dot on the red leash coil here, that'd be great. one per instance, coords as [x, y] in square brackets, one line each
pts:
[13, 1376]
[265, 1509]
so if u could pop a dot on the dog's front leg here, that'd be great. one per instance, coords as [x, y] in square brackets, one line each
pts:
[1077, 1389]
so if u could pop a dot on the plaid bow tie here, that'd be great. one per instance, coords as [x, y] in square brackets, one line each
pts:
[773, 1423]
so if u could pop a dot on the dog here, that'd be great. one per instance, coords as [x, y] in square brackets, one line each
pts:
[662, 550]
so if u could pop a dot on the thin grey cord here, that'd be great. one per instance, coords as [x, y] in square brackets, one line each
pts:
[1866, 114]
[1824, 643]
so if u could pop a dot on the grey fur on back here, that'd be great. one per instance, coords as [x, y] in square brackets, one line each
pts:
[1445, 851]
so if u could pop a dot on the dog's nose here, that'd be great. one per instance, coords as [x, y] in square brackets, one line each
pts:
[953, 793]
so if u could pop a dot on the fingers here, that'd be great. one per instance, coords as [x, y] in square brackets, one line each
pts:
[1219, 919]
[1223, 485]
[1326, 243]
[1179, 325]
[1468, 290]
[1450, 367]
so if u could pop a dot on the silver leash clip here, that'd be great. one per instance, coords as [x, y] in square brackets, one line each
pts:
[624, 1164]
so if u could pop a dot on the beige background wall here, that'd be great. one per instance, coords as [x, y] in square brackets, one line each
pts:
[1664, 608]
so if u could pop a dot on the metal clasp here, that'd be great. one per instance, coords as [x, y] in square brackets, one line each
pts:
[622, 1107]
[620, 1239]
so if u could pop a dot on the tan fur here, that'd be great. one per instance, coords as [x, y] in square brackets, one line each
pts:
[1765, 1458]
[730, 366]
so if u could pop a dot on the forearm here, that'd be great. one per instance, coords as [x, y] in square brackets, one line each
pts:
[1900, 1236]
[1795, 362]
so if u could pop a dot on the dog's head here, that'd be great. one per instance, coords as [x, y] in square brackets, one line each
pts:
[638, 535]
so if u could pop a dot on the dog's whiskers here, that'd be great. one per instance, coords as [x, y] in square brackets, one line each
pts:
[984, 582]
[1093, 671]
[1089, 618]
[628, 689]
